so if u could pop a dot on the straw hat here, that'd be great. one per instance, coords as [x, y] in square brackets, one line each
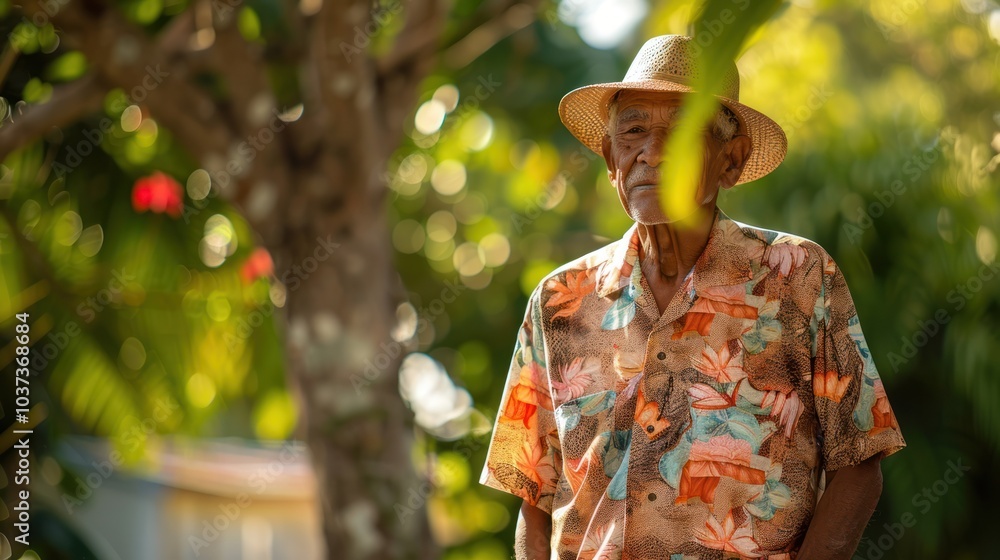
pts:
[666, 63]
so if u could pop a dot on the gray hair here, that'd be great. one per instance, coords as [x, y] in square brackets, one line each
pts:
[723, 129]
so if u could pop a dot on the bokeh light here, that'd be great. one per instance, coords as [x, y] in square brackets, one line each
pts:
[408, 236]
[199, 184]
[441, 226]
[131, 118]
[218, 242]
[429, 117]
[200, 390]
[448, 96]
[448, 177]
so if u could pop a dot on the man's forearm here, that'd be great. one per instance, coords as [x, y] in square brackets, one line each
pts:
[532, 534]
[843, 512]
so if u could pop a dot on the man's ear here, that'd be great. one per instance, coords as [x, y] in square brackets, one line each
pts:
[736, 152]
[606, 152]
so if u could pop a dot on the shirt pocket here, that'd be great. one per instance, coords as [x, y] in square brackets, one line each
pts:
[580, 421]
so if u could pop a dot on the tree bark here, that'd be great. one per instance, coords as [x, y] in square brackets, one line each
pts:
[314, 192]
[344, 363]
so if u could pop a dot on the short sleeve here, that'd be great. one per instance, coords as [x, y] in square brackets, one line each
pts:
[523, 458]
[855, 418]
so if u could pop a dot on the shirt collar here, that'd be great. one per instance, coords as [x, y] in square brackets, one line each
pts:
[726, 259]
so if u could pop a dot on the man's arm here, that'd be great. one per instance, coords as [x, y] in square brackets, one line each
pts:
[843, 512]
[532, 534]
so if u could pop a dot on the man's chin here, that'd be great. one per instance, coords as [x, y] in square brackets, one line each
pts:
[644, 205]
[647, 211]
[648, 215]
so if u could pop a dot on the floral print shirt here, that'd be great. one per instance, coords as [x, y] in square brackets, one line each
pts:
[701, 433]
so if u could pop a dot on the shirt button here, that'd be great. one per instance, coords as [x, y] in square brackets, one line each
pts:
[661, 356]
[652, 497]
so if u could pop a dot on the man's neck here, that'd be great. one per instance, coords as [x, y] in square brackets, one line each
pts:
[668, 251]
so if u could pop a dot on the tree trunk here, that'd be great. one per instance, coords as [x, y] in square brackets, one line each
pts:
[314, 193]
[344, 364]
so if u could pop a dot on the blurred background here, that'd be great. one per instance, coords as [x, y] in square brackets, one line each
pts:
[275, 254]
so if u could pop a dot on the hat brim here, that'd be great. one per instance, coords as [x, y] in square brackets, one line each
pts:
[584, 111]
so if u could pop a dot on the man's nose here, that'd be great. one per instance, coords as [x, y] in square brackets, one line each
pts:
[652, 149]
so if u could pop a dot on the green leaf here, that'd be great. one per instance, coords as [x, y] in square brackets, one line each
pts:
[249, 24]
[37, 91]
[67, 67]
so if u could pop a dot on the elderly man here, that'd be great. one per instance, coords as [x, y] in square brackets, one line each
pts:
[699, 392]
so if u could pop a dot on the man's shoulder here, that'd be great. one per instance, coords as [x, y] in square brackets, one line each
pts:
[596, 258]
[778, 246]
[589, 264]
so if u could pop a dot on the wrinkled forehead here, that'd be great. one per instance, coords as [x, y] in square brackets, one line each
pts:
[647, 105]
[630, 96]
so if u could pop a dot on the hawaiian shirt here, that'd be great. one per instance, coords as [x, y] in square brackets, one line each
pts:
[704, 432]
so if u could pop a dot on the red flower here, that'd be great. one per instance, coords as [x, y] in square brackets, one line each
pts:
[160, 193]
[257, 265]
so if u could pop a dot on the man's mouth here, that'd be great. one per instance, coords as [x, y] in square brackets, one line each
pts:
[643, 186]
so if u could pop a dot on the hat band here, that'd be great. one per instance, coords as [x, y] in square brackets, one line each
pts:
[682, 80]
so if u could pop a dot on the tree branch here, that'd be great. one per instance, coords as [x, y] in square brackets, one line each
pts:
[121, 55]
[68, 104]
[418, 39]
[405, 67]
[241, 66]
[499, 21]
[410, 63]
[251, 109]
[482, 38]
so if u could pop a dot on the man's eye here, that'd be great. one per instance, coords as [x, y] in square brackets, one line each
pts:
[634, 129]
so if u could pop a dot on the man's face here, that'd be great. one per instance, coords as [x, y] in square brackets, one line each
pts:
[634, 150]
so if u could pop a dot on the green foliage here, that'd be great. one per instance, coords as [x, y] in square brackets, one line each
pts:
[890, 110]
[127, 318]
